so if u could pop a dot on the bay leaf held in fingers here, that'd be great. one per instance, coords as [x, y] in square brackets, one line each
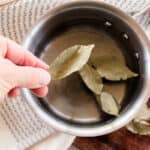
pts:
[91, 78]
[108, 104]
[139, 128]
[70, 60]
[112, 68]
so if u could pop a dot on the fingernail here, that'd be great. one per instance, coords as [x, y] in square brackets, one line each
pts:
[47, 66]
[45, 78]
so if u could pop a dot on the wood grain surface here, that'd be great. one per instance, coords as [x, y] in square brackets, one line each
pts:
[119, 140]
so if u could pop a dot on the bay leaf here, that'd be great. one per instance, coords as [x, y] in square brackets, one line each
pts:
[91, 78]
[70, 60]
[111, 68]
[108, 103]
[139, 128]
[143, 115]
[141, 123]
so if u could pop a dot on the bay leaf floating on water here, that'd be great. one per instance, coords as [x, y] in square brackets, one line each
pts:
[111, 68]
[108, 104]
[139, 128]
[91, 78]
[70, 60]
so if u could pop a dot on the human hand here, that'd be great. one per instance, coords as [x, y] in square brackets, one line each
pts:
[20, 68]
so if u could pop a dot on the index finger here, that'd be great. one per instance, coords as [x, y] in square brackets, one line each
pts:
[18, 55]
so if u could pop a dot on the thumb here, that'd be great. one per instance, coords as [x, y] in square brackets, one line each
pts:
[30, 77]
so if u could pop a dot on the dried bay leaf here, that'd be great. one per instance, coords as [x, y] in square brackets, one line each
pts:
[143, 115]
[111, 68]
[70, 60]
[139, 128]
[92, 79]
[141, 123]
[108, 103]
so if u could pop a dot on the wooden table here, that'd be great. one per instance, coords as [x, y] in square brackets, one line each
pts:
[119, 140]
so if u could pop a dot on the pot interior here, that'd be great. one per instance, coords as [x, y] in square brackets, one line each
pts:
[68, 100]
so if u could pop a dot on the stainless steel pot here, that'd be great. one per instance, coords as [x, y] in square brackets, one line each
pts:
[75, 113]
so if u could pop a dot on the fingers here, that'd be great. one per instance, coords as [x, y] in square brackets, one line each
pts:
[40, 92]
[26, 73]
[18, 55]
[31, 77]
[12, 76]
